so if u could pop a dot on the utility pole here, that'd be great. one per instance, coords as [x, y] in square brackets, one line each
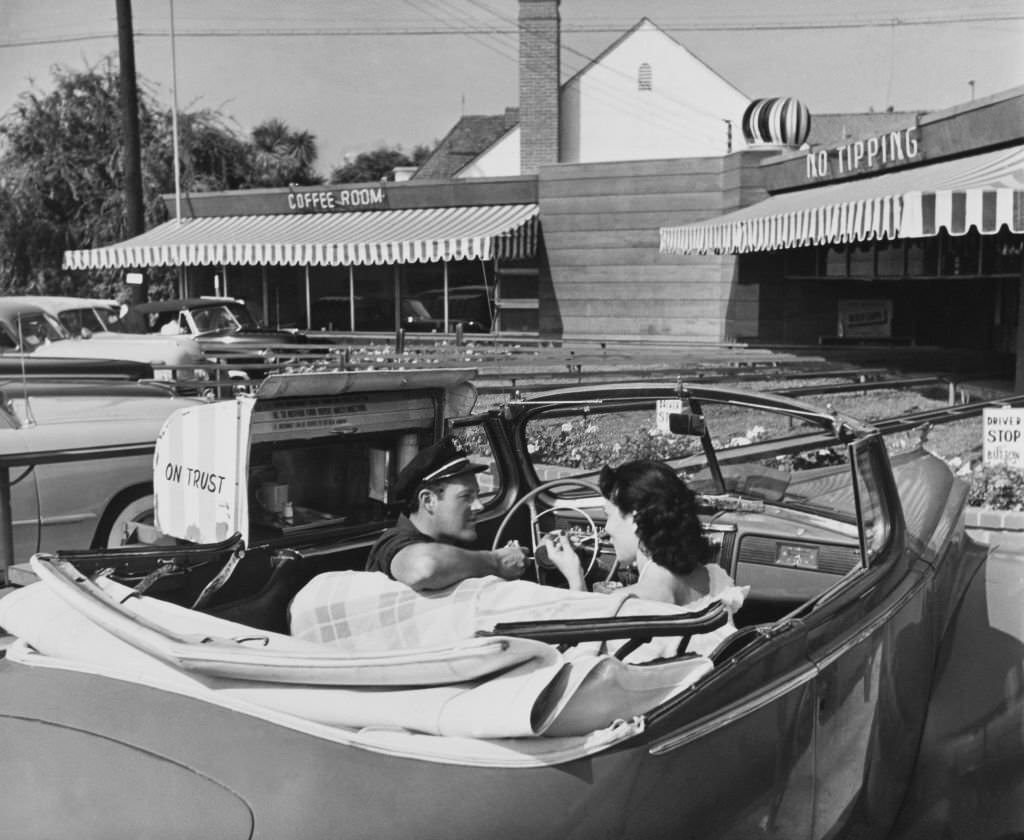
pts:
[134, 212]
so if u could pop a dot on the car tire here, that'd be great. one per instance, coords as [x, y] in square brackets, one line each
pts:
[135, 505]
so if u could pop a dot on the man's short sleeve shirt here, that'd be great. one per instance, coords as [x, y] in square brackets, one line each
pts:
[391, 542]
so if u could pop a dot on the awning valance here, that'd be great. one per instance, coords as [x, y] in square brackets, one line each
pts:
[984, 191]
[380, 237]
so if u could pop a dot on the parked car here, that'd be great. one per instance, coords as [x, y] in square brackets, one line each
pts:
[81, 317]
[224, 328]
[60, 505]
[334, 312]
[872, 684]
[468, 306]
[78, 328]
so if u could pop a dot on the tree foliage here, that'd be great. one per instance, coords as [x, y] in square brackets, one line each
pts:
[378, 164]
[280, 156]
[62, 170]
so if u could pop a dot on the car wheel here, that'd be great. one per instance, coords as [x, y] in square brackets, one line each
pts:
[115, 528]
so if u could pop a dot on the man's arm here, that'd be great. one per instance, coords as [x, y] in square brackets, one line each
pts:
[433, 565]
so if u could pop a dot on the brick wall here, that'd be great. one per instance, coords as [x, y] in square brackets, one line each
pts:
[539, 81]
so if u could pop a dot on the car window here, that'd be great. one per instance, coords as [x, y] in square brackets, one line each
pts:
[37, 329]
[110, 317]
[763, 456]
[875, 519]
[234, 316]
[73, 320]
[334, 459]
[412, 308]
[473, 436]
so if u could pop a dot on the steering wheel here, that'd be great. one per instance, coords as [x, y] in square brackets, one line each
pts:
[530, 500]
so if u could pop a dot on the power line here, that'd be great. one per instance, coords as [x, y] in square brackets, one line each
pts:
[446, 31]
[611, 96]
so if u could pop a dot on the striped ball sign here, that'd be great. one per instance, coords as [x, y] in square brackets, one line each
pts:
[779, 122]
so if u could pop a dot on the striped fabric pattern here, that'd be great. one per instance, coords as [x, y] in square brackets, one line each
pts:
[984, 191]
[382, 237]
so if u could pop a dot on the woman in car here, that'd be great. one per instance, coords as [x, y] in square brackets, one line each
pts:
[651, 518]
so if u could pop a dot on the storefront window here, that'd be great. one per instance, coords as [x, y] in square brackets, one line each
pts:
[836, 264]
[922, 257]
[889, 259]
[1003, 254]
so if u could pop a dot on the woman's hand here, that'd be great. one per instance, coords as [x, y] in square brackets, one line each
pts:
[563, 555]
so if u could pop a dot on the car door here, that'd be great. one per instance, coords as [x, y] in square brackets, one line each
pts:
[871, 642]
[736, 759]
[24, 495]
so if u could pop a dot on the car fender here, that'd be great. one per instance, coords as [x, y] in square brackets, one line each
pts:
[51, 795]
[968, 780]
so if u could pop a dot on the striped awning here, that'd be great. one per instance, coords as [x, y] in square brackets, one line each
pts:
[984, 191]
[380, 237]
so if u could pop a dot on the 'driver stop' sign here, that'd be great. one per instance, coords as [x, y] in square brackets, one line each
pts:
[1003, 436]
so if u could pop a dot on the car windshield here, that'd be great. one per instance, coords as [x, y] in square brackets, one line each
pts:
[413, 309]
[763, 456]
[35, 329]
[223, 317]
[74, 320]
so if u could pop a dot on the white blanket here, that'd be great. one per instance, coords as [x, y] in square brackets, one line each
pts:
[367, 611]
[558, 695]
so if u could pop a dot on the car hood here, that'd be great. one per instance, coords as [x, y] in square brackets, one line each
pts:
[150, 349]
[251, 338]
[98, 408]
[182, 346]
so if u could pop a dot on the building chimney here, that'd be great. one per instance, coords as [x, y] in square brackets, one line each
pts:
[539, 83]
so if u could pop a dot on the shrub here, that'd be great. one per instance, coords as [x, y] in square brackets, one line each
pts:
[581, 445]
[997, 487]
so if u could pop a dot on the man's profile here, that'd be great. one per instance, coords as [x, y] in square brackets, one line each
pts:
[430, 546]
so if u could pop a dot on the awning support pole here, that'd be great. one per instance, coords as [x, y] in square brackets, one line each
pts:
[351, 299]
[446, 295]
[266, 294]
[309, 311]
[398, 306]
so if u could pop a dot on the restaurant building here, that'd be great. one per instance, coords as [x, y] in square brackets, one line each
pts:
[634, 202]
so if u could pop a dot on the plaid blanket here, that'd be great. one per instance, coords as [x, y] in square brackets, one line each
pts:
[367, 611]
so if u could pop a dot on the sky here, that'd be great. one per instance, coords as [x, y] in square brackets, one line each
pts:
[359, 74]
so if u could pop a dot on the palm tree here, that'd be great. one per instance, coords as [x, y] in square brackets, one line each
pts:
[281, 156]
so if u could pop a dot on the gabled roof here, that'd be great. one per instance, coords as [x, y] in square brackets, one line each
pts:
[644, 22]
[469, 137]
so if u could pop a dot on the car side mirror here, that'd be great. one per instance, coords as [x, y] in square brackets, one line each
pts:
[687, 424]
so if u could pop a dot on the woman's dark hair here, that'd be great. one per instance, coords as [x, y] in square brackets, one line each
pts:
[664, 509]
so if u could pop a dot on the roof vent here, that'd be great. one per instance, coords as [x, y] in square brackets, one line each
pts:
[643, 77]
[776, 122]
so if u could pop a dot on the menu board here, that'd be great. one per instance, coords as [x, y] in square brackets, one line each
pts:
[308, 417]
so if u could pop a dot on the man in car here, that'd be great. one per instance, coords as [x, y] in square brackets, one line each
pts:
[430, 546]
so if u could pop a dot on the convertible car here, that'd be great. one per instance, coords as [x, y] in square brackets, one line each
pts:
[864, 678]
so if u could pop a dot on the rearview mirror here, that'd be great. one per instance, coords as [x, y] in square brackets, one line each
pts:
[687, 424]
